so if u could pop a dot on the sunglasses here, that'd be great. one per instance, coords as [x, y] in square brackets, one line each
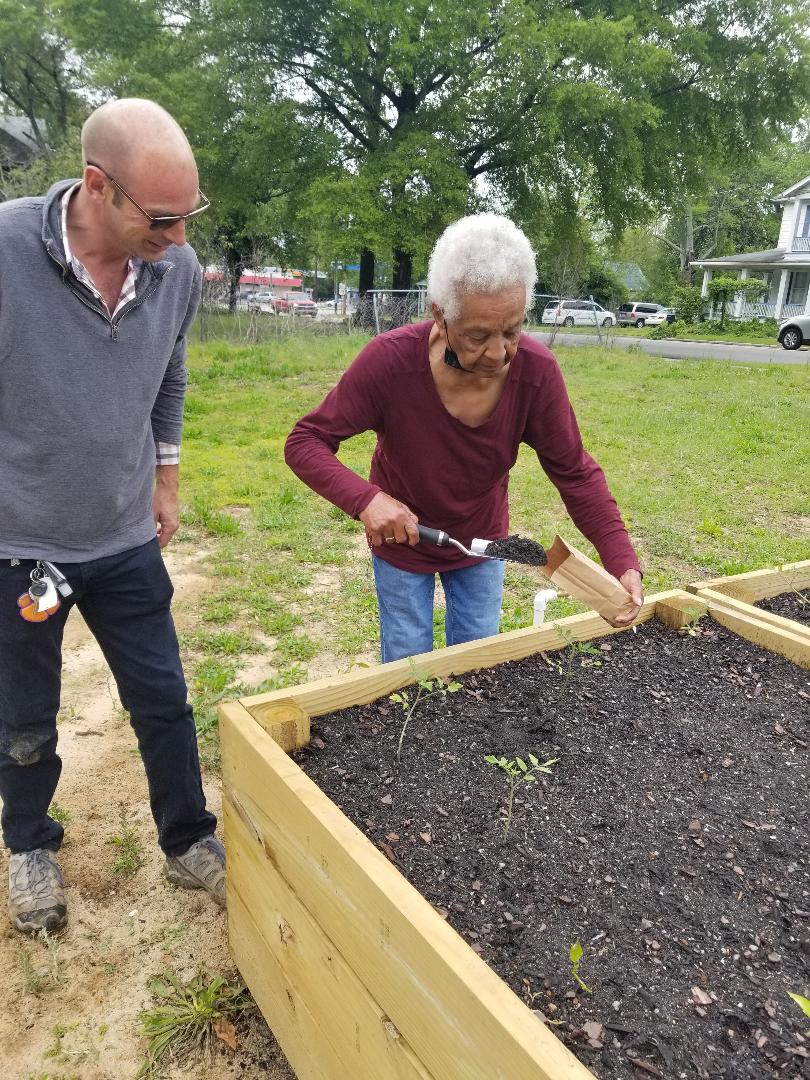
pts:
[160, 221]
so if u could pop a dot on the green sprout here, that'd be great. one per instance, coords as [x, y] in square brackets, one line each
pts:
[589, 654]
[803, 1003]
[425, 688]
[575, 956]
[517, 774]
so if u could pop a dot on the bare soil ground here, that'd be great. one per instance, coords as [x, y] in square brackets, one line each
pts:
[70, 1006]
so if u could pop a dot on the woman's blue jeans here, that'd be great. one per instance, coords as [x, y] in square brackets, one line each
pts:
[125, 602]
[473, 598]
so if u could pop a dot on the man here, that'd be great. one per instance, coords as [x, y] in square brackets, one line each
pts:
[98, 290]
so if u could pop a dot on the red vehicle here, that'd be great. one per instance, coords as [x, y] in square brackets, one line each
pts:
[295, 304]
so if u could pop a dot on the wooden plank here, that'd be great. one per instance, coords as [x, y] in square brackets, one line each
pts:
[461, 1020]
[290, 1020]
[759, 584]
[361, 1040]
[677, 611]
[359, 687]
[792, 626]
[793, 646]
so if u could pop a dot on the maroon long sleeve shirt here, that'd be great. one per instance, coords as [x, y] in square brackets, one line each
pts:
[454, 477]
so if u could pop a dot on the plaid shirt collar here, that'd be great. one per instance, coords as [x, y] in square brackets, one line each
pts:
[81, 271]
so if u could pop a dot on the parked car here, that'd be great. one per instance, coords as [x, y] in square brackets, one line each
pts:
[295, 304]
[793, 333]
[663, 315]
[260, 300]
[636, 314]
[576, 313]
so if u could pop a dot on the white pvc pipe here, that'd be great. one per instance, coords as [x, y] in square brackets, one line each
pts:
[540, 600]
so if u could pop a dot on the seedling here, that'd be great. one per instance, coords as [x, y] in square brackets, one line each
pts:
[575, 956]
[692, 625]
[130, 850]
[804, 598]
[518, 772]
[587, 653]
[183, 1026]
[803, 1003]
[425, 688]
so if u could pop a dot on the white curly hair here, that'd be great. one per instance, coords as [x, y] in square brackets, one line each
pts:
[482, 253]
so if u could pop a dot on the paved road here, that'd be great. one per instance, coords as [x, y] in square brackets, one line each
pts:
[686, 350]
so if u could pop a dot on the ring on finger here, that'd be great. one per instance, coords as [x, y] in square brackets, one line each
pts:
[390, 539]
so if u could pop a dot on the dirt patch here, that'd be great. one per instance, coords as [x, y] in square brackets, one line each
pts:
[790, 605]
[70, 1007]
[670, 841]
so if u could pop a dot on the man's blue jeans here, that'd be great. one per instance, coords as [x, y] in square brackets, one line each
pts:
[473, 598]
[125, 602]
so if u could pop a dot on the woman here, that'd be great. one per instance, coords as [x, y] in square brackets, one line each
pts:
[451, 400]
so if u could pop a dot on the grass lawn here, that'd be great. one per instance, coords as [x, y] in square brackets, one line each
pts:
[708, 462]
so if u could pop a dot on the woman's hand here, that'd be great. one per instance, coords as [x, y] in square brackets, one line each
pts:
[631, 581]
[388, 521]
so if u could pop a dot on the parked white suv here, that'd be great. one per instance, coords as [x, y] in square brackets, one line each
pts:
[636, 314]
[576, 313]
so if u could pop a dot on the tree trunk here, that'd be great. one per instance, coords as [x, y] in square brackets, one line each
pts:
[366, 271]
[688, 247]
[403, 269]
[236, 267]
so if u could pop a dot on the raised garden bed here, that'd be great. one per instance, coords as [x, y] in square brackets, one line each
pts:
[359, 976]
[778, 597]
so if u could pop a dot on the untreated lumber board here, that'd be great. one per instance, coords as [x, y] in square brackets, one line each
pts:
[759, 584]
[780, 622]
[792, 643]
[363, 1041]
[459, 1018]
[359, 687]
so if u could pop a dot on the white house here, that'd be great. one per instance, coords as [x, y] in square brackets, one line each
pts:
[786, 269]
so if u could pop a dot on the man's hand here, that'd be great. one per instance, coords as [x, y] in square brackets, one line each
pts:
[388, 521]
[165, 507]
[631, 581]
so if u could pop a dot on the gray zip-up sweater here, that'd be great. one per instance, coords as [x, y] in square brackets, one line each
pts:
[83, 398]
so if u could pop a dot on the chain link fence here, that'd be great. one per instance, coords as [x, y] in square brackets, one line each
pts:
[377, 311]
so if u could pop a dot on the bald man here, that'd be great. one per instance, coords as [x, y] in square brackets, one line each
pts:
[98, 290]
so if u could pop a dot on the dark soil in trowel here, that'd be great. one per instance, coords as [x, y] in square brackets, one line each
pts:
[671, 840]
[791, 605]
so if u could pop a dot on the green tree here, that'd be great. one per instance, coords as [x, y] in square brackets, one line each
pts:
[622, 102]
[254, 153]
[37, 78]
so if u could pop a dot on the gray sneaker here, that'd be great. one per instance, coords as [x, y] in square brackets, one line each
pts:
[36, 892]
[201, 867]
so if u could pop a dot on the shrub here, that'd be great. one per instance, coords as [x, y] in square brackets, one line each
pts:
[667, 330]
[688, 303]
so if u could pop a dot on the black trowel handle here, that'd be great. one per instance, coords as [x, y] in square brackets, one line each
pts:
[433, 536]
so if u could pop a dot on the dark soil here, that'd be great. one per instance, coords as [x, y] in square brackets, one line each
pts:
[791, 605]
[671, 840]
[518, 549]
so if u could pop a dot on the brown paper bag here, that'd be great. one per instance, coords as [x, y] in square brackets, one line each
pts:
[586, 581]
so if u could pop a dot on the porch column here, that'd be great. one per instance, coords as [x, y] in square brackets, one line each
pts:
[740, 301]
[704, 288]
[784, 277]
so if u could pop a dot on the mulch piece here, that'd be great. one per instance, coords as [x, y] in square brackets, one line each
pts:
[671, 840]
[790, 605]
